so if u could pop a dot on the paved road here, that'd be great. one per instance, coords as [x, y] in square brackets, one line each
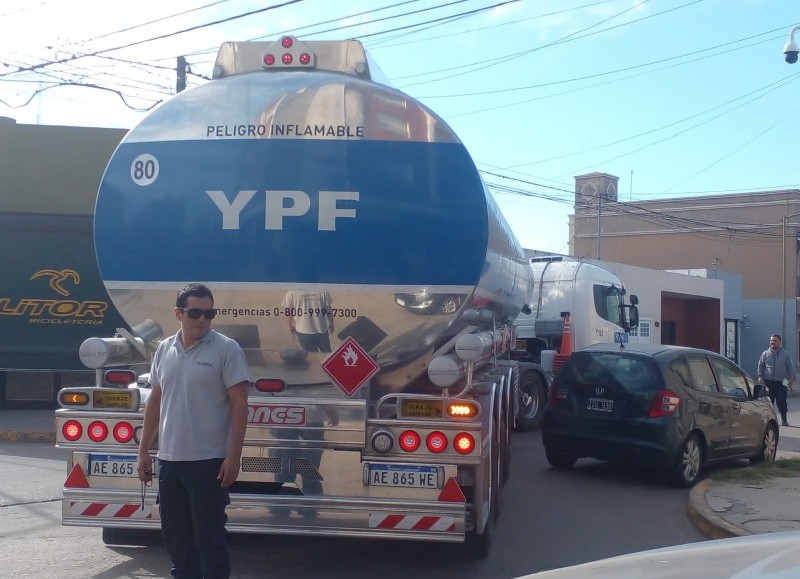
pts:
[550, 519]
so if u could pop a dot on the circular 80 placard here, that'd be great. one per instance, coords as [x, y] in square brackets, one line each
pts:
[144, 170]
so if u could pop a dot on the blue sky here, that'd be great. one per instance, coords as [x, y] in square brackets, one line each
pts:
[675, 97]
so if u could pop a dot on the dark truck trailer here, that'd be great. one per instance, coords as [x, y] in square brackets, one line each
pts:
[51, 300]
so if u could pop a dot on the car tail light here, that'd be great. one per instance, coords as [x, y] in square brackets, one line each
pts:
[665, 403]
[464, 443]
[123, 432]
[72, 430]
[409, 441]
[436, 442]
[97, 431]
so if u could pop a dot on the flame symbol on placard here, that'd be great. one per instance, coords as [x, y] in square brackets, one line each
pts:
[350, 357]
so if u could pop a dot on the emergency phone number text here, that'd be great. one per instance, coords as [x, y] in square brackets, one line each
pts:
[277, 312]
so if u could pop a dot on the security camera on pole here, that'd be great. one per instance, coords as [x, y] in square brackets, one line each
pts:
[791, 49]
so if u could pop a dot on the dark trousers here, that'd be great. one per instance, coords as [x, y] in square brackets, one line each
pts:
[777, 393]
[314, 342]
[193, 518]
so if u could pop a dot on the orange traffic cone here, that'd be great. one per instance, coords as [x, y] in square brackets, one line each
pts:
[566, 338]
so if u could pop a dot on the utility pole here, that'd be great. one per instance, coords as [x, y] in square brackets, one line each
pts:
[180, 82]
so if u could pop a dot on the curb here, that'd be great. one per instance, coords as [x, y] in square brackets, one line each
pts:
[11, 436]
[705, 519]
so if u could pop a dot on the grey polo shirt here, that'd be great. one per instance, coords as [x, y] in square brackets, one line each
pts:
[195, 421]
[775, 365]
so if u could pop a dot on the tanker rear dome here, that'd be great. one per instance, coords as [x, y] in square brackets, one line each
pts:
[263, 183]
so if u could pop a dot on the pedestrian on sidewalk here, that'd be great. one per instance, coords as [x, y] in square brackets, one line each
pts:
[776, 370]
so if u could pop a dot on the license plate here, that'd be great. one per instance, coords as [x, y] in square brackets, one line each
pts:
[520, 345]
[600, 404]
[404, 475]
[123, 465]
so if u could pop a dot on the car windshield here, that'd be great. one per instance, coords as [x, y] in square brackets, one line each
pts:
[634, 373]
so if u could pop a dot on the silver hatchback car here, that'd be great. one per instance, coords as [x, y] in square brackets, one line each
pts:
[665, 406]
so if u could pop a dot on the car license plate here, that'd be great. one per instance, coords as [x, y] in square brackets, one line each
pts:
[600, 404]
[123, 465]
[404, 475]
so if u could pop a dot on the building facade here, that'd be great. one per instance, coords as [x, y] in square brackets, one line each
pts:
[747, 238]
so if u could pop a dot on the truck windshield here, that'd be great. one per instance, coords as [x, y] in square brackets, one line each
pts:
[607, 301]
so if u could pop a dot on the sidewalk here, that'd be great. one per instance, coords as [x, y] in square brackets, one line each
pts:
[724, 509]
[717, 509]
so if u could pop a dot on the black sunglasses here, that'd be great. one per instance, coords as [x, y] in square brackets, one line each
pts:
[195, 313]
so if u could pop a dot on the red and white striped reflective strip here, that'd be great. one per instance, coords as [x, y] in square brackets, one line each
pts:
[105, 510]
[413, 522]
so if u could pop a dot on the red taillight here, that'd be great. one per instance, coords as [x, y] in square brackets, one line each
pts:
[119, 377]
[409, 441]
[436, 442]
[287, 58]
[304, 58]
[123, 432]
[464, 443]
[269, 59]
[287, 41]
[665, 403]
[72, 430]
[270, 385]
[97, 431]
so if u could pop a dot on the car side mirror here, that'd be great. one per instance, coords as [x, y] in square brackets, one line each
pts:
[759, 391]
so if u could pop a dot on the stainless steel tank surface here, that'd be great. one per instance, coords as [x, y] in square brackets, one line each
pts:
[309, 200]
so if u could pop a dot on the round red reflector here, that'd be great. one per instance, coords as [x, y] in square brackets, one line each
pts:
[97, 431]
[464, 443]
[436, 442]
[72, 430]
[304, 58]
[123, 432]
[287, 58]
[287, 41]
[409, 441]
[269, 59]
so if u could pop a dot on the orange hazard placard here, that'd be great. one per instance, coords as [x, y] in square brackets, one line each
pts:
[350, 366]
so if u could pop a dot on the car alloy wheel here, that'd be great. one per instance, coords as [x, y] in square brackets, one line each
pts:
[690, 461]
[769, 446]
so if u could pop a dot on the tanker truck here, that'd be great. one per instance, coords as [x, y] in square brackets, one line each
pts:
[300, 187]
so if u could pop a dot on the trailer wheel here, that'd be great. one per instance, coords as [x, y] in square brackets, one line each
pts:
[479, 545]
[508, 421]
[532, 396]
[134, 537]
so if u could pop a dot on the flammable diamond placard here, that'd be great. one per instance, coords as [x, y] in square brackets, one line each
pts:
[350, 366]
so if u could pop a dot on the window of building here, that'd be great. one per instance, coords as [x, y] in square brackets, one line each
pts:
[642, 333]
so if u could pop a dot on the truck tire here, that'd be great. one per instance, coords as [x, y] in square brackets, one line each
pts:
[532, 395]
[508, 421]
[134, 537]
[479, 545]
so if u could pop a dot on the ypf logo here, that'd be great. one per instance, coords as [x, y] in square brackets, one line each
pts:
[58, 277]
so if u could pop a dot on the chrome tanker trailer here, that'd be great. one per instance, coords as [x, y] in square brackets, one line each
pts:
[332, 216]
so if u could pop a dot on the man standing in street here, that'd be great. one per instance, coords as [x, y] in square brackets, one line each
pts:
[198, 408]
[776, 370]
